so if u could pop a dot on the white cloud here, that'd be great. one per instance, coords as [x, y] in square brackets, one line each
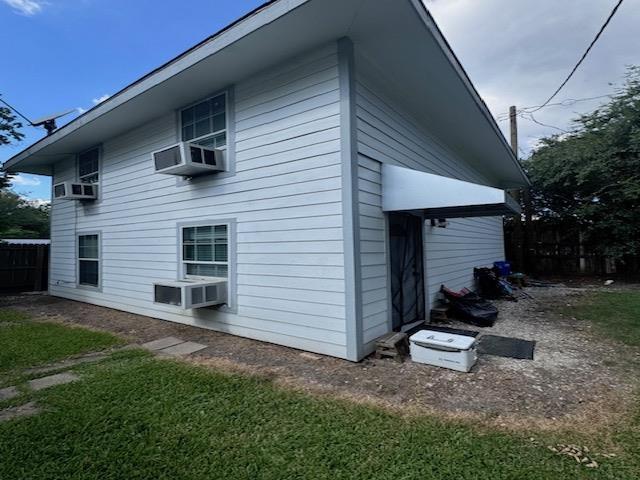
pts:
[101, 99]
[26, 7]
[81, 110]
[25, 181]
[517, 52]
[38, 202]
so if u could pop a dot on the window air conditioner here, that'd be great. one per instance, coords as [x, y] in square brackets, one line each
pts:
[191, 293]
[75, 191]
[188, 159]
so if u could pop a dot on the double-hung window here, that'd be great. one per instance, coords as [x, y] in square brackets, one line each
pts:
[205, 251]
[89, 166]
[205, 123]
[89, 260]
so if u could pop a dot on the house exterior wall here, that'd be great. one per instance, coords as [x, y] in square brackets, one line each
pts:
[285, 199]
[309, 262]
[387, 133]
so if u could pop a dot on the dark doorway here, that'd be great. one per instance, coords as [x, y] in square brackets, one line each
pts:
[407, 272]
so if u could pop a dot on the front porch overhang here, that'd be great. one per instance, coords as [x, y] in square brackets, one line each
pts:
[404, 189]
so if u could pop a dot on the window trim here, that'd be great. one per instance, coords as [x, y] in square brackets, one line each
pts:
[99, 171]
[224, 93]
[187, 276]
[229, 150]
[232, 272]
[99, 260]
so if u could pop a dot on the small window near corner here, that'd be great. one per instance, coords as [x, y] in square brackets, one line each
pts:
[89, 166]
[89, 260]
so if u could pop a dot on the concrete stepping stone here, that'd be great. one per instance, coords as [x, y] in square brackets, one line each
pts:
[162, 343]
[66, 364]
[182, 349]
[52, 380]
[8, 393]
[26, 410]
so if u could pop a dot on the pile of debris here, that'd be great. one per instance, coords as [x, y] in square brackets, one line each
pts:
[580, 454]
[474, 308]
[470, 307]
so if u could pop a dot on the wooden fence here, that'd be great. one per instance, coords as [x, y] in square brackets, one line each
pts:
[24, 267]
[558, 250]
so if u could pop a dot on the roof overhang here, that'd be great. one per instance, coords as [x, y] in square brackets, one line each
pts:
[435, 196]
[398, 37]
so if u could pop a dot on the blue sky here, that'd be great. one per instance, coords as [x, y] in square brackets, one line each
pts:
[63, 54]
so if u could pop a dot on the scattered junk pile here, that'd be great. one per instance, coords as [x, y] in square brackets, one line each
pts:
[458, 349]
[475, 308]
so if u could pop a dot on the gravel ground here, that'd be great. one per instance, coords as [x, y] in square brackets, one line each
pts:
[577, 380]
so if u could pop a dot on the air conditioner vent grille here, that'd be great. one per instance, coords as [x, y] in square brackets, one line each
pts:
[196, 154]
[197, 295]
[209, 157]
[59, 190]
[168, 295]
[211, 292]
[167, 158]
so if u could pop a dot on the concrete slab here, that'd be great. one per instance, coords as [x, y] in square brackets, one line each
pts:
[52, 380]
[162, 343]
[26, 410]
[66, 364]
[8, 393]
[182, 349]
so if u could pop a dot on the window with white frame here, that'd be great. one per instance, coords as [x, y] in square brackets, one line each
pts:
[205, 251]
[89, 166]
[89, 260]
[205, 123]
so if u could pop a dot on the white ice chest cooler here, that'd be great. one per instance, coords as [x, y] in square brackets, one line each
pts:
[457, 352]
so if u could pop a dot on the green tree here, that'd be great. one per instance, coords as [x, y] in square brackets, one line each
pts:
[18, 217]
[590, 178]
[21, 219]
[5, 180]
[9, 127]
[9, 131]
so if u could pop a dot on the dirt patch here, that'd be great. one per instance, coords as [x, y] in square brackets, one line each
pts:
[577, 380]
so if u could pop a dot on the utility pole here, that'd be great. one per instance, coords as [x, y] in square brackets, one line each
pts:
[521, 232]
[518, 234]
[513, 121]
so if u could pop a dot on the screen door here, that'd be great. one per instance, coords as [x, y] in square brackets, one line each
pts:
[407, 270]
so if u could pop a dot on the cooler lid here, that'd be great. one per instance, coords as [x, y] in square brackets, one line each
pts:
[441, 339]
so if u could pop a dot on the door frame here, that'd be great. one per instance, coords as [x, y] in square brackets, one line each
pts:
[387, 239]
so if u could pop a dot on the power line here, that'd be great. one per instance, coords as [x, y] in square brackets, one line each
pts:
[534, 120]
[584, 55]
[14, 109]
[567, 102]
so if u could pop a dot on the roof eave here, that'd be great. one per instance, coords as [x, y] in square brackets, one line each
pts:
[435, 31]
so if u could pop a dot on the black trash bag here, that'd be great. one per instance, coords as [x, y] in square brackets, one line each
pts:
[471, 308]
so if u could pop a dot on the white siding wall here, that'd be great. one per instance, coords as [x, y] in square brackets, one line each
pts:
[386, 133]
[372, 250]
[285, 197]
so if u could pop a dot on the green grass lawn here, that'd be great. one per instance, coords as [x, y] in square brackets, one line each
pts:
[136, 417]
[24, 343]
[616, 314]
